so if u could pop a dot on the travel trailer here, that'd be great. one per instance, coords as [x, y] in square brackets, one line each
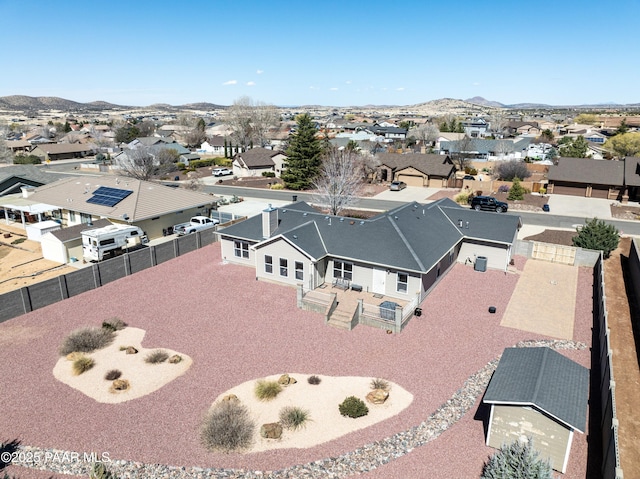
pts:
[111, 240]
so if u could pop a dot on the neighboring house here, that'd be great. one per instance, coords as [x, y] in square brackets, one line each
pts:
[14, 177]
[62, 151]
[631, 177]
[255, 161]
[401, 253]
[213, 146]
[388, 132]
[538, 393]
[494, 150]
[19, 146]
[417, 169]
[523, 128]
[151, 206]
[66, 243]
[475, 127]
[587, 177]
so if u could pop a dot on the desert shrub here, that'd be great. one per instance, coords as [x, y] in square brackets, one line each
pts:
[27, 160]
[379, 383]
[517, 459]
[114, 324]
[313, 380]
[517, 191]
[509, 170]
[227, 427]
[268, 174]
[292, 417]
[82, 365]
[353, 407]
[100, 471]
[156, 357]
[267, 390]
[503, 189]
[86, 340]
[462, 198]
[277, 186]
[19, 240]
[113, 374]
[542, 191]
[201, 163]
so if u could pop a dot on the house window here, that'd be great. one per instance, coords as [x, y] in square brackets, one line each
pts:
[342, 270]
[268, 264]
[299, 270]
[72, 216]
[85, 218]
[284, 270]
[241, 249]
[402, 284]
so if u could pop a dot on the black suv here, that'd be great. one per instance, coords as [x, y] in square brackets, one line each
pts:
[488, 203]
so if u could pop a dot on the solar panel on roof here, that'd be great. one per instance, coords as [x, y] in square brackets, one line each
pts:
[106, 196]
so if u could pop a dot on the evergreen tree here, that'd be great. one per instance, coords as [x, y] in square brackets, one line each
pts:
[597, 235]
[573, 148]
[201, 125]
[516, 192]
[303, 155]
[517, 460]
[623, 128]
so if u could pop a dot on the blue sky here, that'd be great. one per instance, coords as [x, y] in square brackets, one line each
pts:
[140, 52]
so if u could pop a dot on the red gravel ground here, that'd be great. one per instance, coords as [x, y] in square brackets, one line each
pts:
[237, 329]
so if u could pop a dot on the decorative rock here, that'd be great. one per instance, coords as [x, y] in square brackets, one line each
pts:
[230, 398]
[131, 350]
[120, 385]
[74, 355]
[175, 359]
[272, 430]
[377, 396]
[285, 380]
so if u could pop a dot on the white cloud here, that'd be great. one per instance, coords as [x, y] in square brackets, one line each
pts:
[251, 83]
[231, 82]
[259, 72]
[333, 89]
[475, 83]
[348, 82]
[400, 88]
[313, 87]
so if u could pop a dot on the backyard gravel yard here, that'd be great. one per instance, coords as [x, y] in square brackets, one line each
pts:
[238, 329]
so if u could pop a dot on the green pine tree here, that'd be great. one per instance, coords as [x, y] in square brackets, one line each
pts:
[516, 192]
[303, 155]
[597, 235]
[517, 460]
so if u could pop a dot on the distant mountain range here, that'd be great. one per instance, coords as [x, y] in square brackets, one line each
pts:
[477, 104]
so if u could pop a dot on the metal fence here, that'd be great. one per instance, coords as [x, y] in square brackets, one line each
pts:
[611, 468]
[39, 295]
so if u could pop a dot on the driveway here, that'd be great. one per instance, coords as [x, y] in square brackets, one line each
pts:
[579, 206]
[410, 193]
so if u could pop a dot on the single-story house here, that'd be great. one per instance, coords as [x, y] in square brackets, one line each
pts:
[65, 243]
[151, 206]
[417, 169]
[632, 177]
[62, 151]
[401, 253]
[255, 161]
[479, 148]
[215, 145]
[19, 146]
[587, 177]
[540, 394]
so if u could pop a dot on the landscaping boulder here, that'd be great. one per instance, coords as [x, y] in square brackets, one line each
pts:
[131, 350]
[377, 396]
[175, 359]
[285, 380]
[120, 385]
[74, 355]
[272, 430]
[230, 398]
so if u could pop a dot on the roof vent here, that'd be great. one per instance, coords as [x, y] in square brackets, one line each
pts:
[342, 219]
[466, 225]
[362, 222]
[305, 213]
[459, 223]
[295, 236]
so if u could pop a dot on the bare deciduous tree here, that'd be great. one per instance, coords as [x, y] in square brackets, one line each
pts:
[427, 134]
[6, 156]
[461, 157]
[498, 121]
[250, 121]
[193, 184]
[194, 138]
[340, 180]
[143, 163]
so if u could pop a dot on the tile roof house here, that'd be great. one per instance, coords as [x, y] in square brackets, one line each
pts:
[255, 161]
[62, 151]
[151, 206]
[538, 393]
[417, 169]
[401, 253]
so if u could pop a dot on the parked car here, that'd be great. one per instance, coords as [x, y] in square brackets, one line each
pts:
[397, 186]
[221, 172]
[469, 177]
[197, 223]
[488, 203]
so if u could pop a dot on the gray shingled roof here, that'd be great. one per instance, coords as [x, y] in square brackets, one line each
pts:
[28, 172]
[257, 157]
[412, 237]
[632, 171]
[586, 170]
[429, 164]
[544, 379]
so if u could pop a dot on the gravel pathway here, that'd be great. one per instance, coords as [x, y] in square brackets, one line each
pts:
[237, 329]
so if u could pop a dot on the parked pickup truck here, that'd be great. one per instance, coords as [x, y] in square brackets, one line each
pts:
[197, 223]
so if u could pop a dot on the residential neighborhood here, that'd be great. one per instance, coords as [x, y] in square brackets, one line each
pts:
[103, 208]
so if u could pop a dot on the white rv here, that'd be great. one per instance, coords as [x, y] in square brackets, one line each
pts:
[110, 240]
